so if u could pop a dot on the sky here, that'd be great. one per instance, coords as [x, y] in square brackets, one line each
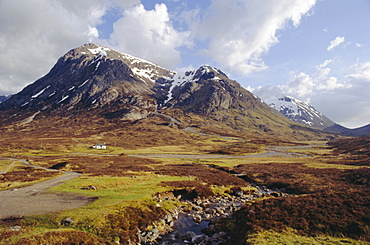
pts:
[317, 51]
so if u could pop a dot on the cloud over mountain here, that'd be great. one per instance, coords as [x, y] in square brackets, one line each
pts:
[240, 32]
[344, 101]
[149, 34]
[256, 42]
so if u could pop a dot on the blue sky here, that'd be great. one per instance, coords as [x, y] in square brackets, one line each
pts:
[317, 51]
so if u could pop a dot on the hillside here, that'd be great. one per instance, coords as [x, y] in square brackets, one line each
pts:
[356, 132]
[97, 82]
[353, 151]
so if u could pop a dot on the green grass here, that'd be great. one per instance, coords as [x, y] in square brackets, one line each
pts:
[117, 190]
[114, 194]
[4, 164]
[291, 237]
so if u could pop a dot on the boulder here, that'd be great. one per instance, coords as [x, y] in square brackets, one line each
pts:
[189, 235]
[197, 218]
[67, 221]
[198, 239]
[198, 208]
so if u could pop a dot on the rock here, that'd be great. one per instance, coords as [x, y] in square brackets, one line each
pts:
[67, 222]
[15, 228]
[209, 211]
[198, 208]
[198, 202]
[216, 237]
[275, 194]
[197, 218]
[189, 235]
[169, 218]
[155, 231]
[198, 239]
[91, 187]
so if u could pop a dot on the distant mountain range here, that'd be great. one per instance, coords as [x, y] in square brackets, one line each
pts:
[4, 97]
[306, 114]
[98, 82]
[301, 112]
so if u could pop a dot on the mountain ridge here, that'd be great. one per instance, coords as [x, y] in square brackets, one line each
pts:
[92, 80]
[300, 112]
[90, 77]
[305, 114]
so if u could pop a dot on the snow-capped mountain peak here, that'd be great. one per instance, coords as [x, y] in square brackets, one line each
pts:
[300, 112]
[181, 79]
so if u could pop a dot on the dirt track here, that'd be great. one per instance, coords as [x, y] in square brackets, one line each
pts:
[33, 200]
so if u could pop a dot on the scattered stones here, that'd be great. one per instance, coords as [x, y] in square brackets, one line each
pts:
[200, 210]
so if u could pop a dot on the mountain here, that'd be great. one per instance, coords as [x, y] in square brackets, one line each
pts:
[305, 114]
[94, 79]
[300, 112]
[356, 132]
[4, 98]
[97, 82]
[208, 92]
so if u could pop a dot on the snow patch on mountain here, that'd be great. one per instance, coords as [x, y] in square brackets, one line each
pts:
[63, 99]
[182, 78]
[300, 112]
[101, 51]
[39, 93]
[146, 73]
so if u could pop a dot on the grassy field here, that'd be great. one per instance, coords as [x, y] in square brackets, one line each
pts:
[290, 236]
[4, 165]
[125, 185]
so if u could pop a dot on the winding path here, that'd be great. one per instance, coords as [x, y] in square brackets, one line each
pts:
[34, 199]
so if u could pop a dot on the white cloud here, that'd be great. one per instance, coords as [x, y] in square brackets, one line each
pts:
[149, 34]
[92, 33]
[345, 102]
[337, 41]
[325, 64]
[35, 33]
[239, 32]
[362, 72]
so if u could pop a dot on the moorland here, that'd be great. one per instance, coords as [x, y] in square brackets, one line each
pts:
[327, 183]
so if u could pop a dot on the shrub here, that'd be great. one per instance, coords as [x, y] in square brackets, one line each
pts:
[335, 214]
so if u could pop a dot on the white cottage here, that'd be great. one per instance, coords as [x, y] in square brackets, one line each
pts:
[99, 146]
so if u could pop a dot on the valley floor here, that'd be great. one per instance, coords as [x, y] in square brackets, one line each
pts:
[78, 194]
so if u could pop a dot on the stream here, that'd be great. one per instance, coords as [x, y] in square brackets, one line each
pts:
[195, 225]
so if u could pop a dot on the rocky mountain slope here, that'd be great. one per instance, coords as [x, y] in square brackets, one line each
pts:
[300, 112]
[93, 78]
[97, 81]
